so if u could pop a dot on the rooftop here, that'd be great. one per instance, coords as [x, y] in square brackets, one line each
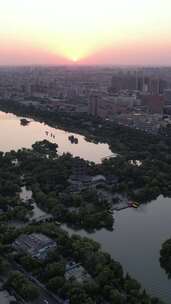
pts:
[77, 272]
[34, 244]
[6, 298]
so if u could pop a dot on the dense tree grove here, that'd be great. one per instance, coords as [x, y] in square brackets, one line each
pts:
[22, 286]
[46, 174]
[143, 170]
[165, 257]
[10, 183]
[142, 183]
[107, 281]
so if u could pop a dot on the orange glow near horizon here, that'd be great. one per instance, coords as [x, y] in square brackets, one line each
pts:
[78, 31]
[75, 59]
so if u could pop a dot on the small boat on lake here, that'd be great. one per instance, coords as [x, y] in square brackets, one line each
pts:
[135, 205]
[24, 122]
[73, 139]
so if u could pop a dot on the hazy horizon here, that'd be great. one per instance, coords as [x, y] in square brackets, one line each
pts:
[88, 33]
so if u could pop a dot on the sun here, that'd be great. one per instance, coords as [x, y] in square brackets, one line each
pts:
[75, 59]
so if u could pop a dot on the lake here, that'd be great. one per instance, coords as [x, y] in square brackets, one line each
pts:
[136, 241]
[138, 234]
[14, 136]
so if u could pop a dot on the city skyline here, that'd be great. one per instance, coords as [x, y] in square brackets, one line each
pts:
[70, 32]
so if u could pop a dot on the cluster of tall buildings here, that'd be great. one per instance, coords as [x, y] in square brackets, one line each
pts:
[132, 90]
[98, 91]
[138, 81]
[56, 82]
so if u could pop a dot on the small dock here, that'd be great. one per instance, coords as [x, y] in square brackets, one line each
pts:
[119, 208]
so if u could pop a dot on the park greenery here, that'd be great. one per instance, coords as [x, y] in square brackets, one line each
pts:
[165, 257]
[107, 283]
[141, 183]
[22, 286]
[46, 173]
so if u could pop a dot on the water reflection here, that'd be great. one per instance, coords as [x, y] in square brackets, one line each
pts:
[138, 234]
[14, 136]
[136, 242]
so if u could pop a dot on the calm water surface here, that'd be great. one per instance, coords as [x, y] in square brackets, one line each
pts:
[14, 136]
[138, 234]
[136, 241]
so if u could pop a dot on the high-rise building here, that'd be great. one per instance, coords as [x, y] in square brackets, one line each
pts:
[123, 81]
[93, 105]
[157, 86]
[154, 103]
[137, 80]
[167, 94]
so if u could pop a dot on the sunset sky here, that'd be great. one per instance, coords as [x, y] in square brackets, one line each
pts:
[85, 31]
